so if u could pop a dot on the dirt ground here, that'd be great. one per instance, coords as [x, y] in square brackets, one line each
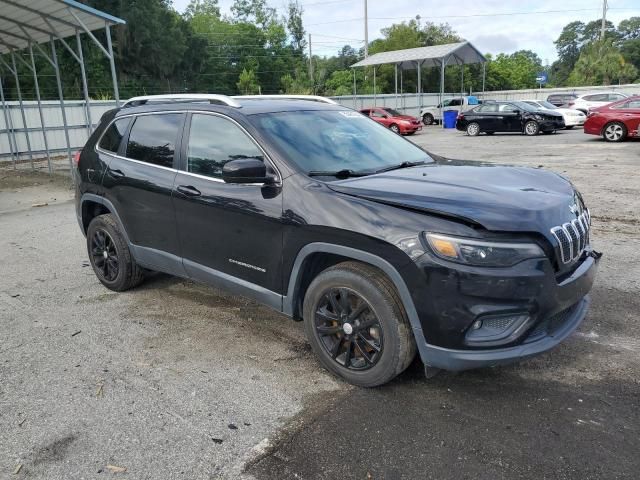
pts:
[177, 380]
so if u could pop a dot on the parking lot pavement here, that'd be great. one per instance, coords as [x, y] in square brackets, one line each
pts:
[155, 380]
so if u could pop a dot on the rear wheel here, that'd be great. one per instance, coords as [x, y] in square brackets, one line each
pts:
[110, 256]
[427, 119]
[614, 132]
[394, 128]
[473, 129]
[357, 326]
[531, 128]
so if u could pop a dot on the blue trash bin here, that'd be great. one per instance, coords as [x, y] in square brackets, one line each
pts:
[450, 118]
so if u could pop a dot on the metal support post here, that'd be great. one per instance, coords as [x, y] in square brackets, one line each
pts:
[419, 92]
[112, 62]
[396, 83]
[8, 123]
[85, 87]
[442, 67]
[355, 107]
[56, 67]
[24, 117]
[37, 85]
[374, 87]
[484, 74]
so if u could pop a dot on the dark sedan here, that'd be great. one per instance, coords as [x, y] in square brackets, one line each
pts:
[509, 117]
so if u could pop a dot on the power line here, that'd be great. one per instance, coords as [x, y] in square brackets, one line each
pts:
[480, 15]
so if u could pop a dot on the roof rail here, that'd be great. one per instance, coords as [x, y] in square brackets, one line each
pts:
[182, 97]
[313, 98]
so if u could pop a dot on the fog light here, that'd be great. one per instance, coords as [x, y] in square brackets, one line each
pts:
[493, 330]
[477, 324]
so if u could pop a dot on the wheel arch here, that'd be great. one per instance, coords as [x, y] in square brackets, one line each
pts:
[316, 257]
[92, 205]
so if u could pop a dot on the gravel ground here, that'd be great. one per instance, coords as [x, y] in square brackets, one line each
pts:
[177, 380]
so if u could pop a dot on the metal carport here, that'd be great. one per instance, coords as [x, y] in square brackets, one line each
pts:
[461, 53]
[28, 25]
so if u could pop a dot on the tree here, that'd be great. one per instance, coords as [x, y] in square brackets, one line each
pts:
[629, 30]
[202, 7]
[568, 46]
[515, 71]
[248, 83]
[295, 26]
[601, 63]
[253, 11]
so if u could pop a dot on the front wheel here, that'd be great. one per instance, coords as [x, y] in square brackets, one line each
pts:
[395, 128]
[357, 325]
[531, 128]
[614, 132]
[473, 129]
[428, 119]
[110, 256]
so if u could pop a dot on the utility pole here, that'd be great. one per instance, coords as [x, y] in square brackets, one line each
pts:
[366, 30]
[311, 66]
[604, 18]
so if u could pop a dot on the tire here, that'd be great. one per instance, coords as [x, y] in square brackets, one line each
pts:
[394, 128]
[473, 129]
[569, 127]
[531, 128]
[370, 348]
[428, 119]
[110, 256]
[614, 132]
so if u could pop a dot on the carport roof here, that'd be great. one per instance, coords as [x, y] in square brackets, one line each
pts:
[462, 52]
[22, 21]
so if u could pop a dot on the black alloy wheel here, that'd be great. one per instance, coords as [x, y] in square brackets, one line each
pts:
[349, 329]
[104, 255]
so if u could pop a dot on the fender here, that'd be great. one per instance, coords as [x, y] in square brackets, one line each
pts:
[365, 257]
[109, 206]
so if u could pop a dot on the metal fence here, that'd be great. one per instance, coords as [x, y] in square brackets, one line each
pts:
[410, 102]
[53, 128]
[79, 129]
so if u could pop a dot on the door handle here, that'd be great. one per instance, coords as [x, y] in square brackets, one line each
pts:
[115, 173]
[188, 190]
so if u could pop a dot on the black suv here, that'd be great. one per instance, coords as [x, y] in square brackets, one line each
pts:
[319, 212]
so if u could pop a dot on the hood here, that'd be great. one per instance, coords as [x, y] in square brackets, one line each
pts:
[499, 198]
[406, 117]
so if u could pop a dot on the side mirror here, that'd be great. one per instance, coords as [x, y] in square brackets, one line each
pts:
[246, 170]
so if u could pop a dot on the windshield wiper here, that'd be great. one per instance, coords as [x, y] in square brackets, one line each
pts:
[345, 173]
[401, 165]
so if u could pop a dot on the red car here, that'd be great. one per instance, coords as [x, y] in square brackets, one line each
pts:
[390, 118]
[616, 121]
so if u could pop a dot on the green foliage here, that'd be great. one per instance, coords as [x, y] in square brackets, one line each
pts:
[248, 82]
[512, 72]
[601, 62]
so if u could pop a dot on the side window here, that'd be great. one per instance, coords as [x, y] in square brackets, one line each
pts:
[365, 112]
[378, 114]
[455, 102]
[614, 97]
[507, 107]
[487, 108]
[153, 138]
[635, 104]
[214, 141]
[446, 103]
[112, 137]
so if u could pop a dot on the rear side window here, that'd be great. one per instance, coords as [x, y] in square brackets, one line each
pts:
[153, 138]
[487, 107]
[214, 141]
[112, 137]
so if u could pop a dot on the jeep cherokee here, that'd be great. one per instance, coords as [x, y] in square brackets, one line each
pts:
[319, 212]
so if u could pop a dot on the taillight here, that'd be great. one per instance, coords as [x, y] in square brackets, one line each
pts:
[460, 116]
[76, 158]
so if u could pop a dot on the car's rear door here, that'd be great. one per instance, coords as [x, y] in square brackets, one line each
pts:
[229, 233]
[138, 182]
[510, 118]
[630, 115]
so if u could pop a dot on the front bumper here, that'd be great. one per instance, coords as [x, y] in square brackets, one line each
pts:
[554, 310]
[550, 125]
[410, 128]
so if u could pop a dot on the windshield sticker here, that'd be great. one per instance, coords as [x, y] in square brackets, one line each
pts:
[350, 114]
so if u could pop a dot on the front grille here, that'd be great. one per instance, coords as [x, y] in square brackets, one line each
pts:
[573, 237]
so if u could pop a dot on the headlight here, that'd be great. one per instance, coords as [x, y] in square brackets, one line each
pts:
[481, 253]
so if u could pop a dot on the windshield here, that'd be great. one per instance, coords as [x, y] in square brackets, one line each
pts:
[392, 112]
[548, 105]
[330, 140]
[525, 106]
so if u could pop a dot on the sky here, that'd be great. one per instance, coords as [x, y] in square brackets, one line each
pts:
[493, 26]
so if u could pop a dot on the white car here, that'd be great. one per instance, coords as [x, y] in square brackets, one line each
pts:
[572, 118]
[431, 115]
[594, 100]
